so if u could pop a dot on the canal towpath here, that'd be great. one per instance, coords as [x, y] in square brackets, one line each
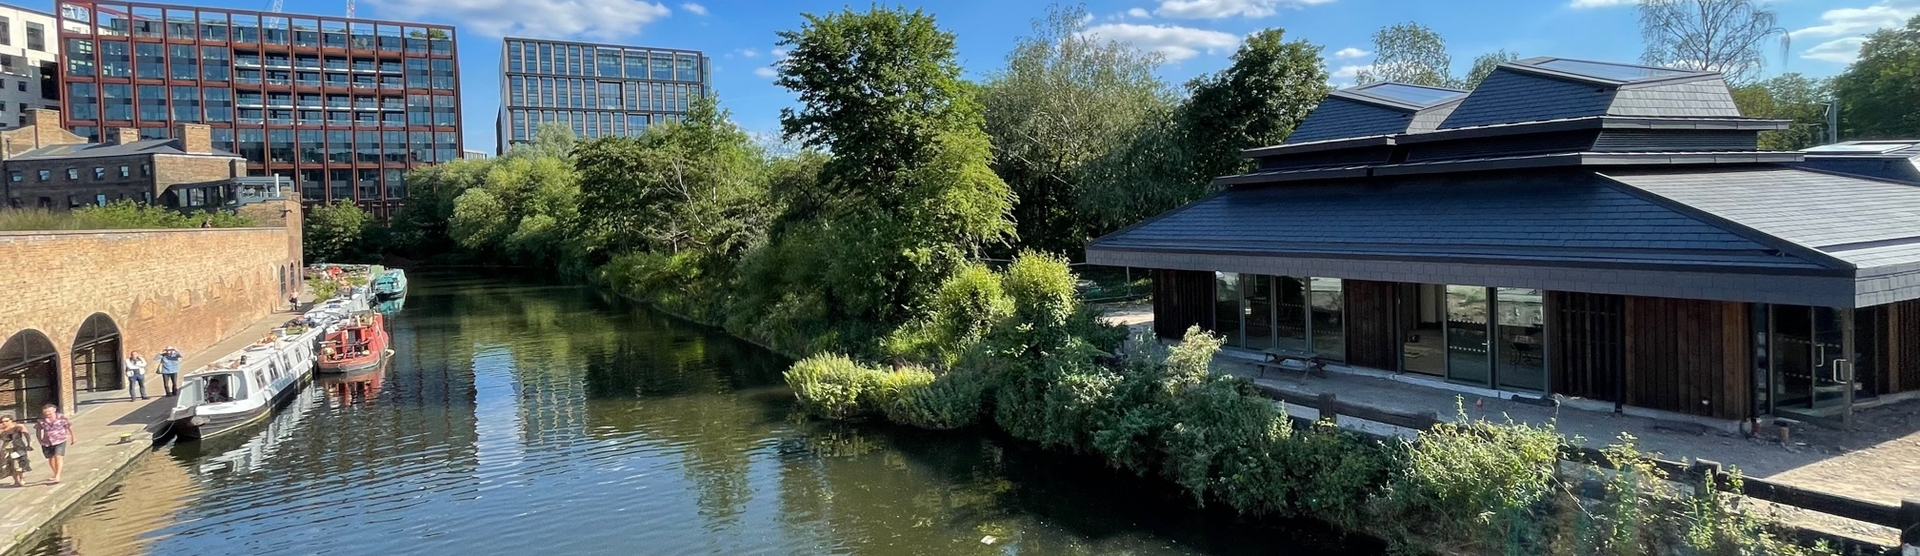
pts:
[110, 434]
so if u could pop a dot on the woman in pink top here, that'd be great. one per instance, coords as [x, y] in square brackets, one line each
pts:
[55, 432]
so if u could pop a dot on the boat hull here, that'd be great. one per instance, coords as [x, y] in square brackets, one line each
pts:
[199, 427]
[352, 364]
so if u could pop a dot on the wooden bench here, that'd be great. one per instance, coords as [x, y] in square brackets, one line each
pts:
[1311, 363]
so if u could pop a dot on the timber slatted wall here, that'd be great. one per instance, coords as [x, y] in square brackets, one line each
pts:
[1589, 344]
[1903, 339]
[1181, 298]
[1689, 356]
[1371, 341]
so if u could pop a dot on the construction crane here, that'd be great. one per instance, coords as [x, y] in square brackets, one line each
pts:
[275, 8]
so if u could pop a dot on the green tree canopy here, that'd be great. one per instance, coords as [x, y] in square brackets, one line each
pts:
[1876, 93]
[908, 194]
[332, 233]
[1792, 97]
[1064, 99]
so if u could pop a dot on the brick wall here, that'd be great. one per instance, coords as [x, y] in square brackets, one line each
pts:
[187, 288]
[172, 170]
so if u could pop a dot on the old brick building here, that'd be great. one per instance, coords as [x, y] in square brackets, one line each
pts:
[48, 167]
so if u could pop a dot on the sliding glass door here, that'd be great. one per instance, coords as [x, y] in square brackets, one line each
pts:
[1520, 325]
[1467, 358]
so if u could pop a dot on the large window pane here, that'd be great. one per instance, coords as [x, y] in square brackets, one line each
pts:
[150, 60]
[1226, 310]
[1521, 335]
[1291, 324]
[1329, 319]
[1467, 335]
[1258, 311]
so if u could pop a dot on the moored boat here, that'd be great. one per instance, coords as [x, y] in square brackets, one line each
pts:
[390, 284]
[359, 342]
[244, 387]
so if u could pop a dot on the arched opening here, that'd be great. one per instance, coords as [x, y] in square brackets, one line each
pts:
[96, 356]
[29, 375]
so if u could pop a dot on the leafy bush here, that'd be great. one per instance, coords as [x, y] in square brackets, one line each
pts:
[949, 401]
[961, 312]
[118, 215]
[833, 386]
[1476, 482]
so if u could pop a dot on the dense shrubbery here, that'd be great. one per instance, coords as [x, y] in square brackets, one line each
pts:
[118, 215]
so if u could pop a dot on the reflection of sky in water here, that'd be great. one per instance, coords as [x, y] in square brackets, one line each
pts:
[521, 418]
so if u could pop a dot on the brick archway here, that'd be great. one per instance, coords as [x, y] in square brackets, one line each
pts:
[96, 356]
[29, 374]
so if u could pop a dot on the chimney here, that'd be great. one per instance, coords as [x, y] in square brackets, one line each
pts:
[46, 130]
[39, 117]
[124, 135]
[193, 138]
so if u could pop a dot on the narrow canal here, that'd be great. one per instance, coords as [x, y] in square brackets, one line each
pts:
[520, 417]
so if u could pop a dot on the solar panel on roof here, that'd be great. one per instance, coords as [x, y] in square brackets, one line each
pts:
[1614, 72]
[1862, 147]
[1411, 94]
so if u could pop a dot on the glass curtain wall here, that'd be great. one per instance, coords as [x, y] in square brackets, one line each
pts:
[1467, 338]
[1520, 332]
[1329, 325]
[1226, 308]
[1287, 312]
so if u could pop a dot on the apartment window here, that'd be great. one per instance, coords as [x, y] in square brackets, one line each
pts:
[610, 95]
[186, 104]
[153, 103]
[417, 75]
[118, 99]
[84, 99]
[366, 146]
[46, 175]
[369, 184]
[149, 60]
[146, 170]
[215, 63]
[79, 57]
[546, 59]
[689, 68]
[396, 184]
[393, 146]
[213, 26]
[125, 171]
[609, 63]
[516, 91]
[116, 60]
[339, 146]
[280, 145]
[313, 146]
[442, 73]
[73, 174]
[36, 37]
[253, 145]
[513, 56]
[219, 105]
[340, 185]
[662, 66]
[99, 173]
[574, 57]
[14, 176]
[223, 138]
[186, 62]
[6, 31]
[419, 147]
[446, 146]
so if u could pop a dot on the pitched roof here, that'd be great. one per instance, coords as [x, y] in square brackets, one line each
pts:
[1527, 92]
[1860, 221]
[96, 150]
[1897, 160]
[1383, 108]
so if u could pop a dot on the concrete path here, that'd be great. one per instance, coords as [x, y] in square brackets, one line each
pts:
[108, 435]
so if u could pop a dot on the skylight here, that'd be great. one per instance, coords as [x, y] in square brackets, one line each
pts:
[1411, 94]
[1612, 72]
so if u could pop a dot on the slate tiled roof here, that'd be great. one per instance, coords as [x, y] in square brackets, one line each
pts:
[1338, 118]
[1864, 222]
[1570, 218]
[93, 150]
[1706, 98]
[1510, 95]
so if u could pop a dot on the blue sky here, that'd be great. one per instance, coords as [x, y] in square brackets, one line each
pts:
[1196, 35]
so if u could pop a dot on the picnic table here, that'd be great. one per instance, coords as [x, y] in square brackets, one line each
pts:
[1310, 362]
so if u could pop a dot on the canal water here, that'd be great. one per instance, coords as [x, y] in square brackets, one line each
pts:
[522, 417]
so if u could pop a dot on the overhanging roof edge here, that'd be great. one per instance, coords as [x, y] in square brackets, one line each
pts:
[1805, 252]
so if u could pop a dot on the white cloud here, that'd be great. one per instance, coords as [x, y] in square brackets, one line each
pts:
[1844, 27]
[1345, 75]
[1174, 42]
[594, 19]
[1839, 51]
[748, 52]
[765, 71]
[694, 9]
[1139, 13]
[1585, 4]
[1350, 53]
[1217, 9]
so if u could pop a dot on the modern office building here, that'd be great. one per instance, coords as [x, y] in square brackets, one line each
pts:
[344, 107]
[599, 89]
[29, 60]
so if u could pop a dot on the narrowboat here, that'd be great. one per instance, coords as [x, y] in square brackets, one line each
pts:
[244, 387]
[390, 284]
[358, 343]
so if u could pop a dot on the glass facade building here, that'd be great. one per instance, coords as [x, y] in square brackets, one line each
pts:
[343, 107]
[598, 89]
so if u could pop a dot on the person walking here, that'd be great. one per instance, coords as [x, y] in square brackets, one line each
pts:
[136, 375]
[170, 371]
[55, 432]
[15, 444]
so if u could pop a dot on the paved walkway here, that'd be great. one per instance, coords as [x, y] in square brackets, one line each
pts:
[109, 434]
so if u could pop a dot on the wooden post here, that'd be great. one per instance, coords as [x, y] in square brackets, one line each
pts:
[1704, 474]
[1328, 412]
[1910, 526]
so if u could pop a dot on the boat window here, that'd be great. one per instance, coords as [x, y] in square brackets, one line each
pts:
[219, 388]
[189, 394]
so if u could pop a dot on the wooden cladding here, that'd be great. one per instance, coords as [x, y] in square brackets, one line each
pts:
[1689, 356]
[1589, 345]
[1370, 308]
[1903, 346]
[1181, 298]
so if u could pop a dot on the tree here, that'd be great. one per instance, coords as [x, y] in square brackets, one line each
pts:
[1483, 65]
[1409, 53]
[1876, 92]
[1269, 89]
[333, 232]
[551, 139]
[1064, 99]
[1709, 35]
[1792, 97]
[689, 185]
[908, 195]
